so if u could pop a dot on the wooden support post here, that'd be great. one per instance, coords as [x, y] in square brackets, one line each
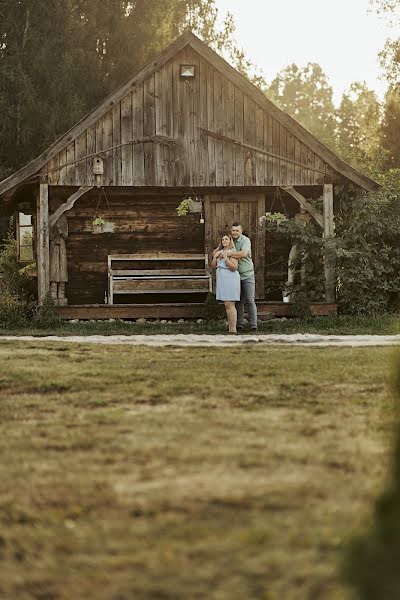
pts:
[42, 252]
[330, 271]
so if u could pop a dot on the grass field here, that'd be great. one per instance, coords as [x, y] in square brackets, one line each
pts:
[174, 474]
[341, 325]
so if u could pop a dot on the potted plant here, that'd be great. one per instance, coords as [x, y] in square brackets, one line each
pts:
[189, 205]
[97, 224]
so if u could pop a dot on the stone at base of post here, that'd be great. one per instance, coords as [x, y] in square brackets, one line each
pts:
[62, 302]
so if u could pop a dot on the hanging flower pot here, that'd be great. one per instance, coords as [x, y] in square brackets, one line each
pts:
[97, 224]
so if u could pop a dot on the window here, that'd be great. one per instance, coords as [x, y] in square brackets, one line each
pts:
[25, 237]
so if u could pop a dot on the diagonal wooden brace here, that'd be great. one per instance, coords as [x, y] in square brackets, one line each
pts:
[305, 204]
[67, 205]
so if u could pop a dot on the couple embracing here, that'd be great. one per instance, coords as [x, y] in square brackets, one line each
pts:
[235, 278]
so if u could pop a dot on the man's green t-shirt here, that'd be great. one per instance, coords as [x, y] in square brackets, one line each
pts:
[245, 265]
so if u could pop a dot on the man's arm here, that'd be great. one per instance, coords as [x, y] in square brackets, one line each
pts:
[236, 254]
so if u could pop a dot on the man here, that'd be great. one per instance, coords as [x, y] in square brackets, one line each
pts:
[247, 280]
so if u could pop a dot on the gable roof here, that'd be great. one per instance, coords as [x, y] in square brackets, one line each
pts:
[188, 38]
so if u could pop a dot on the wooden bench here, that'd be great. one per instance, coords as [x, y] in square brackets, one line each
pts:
[158, 273]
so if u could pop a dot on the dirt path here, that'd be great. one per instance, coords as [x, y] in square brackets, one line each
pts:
[297, 339]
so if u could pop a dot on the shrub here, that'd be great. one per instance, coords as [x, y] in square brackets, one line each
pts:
[214, 311]
[46, 315]
[16, 293]
[367, 249]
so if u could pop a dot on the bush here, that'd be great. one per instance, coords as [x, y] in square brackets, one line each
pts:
[46, 315]
[16, 293]
[367, 249]
[214, 311]
[372, 561]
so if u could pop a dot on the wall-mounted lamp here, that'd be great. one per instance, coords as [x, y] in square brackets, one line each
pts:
[187, 71]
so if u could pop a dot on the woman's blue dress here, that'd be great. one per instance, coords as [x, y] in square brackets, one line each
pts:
[228, 283]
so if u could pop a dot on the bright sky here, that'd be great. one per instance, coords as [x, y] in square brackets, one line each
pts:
[341, 35]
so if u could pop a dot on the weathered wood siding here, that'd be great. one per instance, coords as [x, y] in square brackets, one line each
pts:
[165, 104]
[143, 223]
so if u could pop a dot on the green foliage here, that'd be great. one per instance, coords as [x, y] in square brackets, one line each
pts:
[214, 311]
[183, 208]
[367, 249]
[16, 293]
[306, 95]
[371, 564]
[46, 315]
[60, 59]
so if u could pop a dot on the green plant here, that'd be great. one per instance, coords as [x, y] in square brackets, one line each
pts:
[16, 289]
[46, 315]
[214, 311]
[99, 220]
[184, 207]
[367, 250]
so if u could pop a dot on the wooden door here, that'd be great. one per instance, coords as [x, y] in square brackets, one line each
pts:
[222, 210]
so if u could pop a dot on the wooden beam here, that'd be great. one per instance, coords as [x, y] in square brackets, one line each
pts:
[68, 204]
[329, 263]
[43, 254]
[305, 204]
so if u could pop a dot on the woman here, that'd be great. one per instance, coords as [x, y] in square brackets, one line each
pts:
[228, 279]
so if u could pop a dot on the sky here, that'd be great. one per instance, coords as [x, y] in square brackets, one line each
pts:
[343, 36]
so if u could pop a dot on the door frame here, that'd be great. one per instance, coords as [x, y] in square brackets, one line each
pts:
[259, 247]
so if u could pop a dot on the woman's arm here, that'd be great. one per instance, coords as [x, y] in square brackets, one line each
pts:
[231, 263]
[215, 254]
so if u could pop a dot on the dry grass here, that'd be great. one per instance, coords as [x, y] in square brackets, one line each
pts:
[139, 473]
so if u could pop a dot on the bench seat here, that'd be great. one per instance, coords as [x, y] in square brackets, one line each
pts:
[172, 274]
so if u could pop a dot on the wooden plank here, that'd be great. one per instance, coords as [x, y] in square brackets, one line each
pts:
[297, 158]
[219, 129]
[91, 149]
[158, 256]
[108, 143]
[303, 159]
[193, 99]
[159, 116]
[54, 170]
[329, 263]
[168, 124]
[291, 156]
[149, 129]
[228, 106]
[239, 132]
[260, 248]
[133, 311]
[211, 126]
[158, 272]
[275, 150]
[283, 153]
[116, 153]
[43, 253]
[81, 153]
[270, 176]
[159, 286]
[137, 134]
[249, 137]
[63, 168]
[260, 159]
[126, 137]
[203, 123]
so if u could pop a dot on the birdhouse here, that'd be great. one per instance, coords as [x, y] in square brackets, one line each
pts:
[98, 165]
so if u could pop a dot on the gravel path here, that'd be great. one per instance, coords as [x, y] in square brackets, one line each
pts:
[298, 339]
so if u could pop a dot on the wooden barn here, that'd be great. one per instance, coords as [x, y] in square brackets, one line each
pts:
[105, 195]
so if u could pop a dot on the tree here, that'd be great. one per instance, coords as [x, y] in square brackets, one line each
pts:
[306, 95]
[359, 128]
[60, 59]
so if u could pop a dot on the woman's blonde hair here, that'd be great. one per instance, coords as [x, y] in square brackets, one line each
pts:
[232, 245]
